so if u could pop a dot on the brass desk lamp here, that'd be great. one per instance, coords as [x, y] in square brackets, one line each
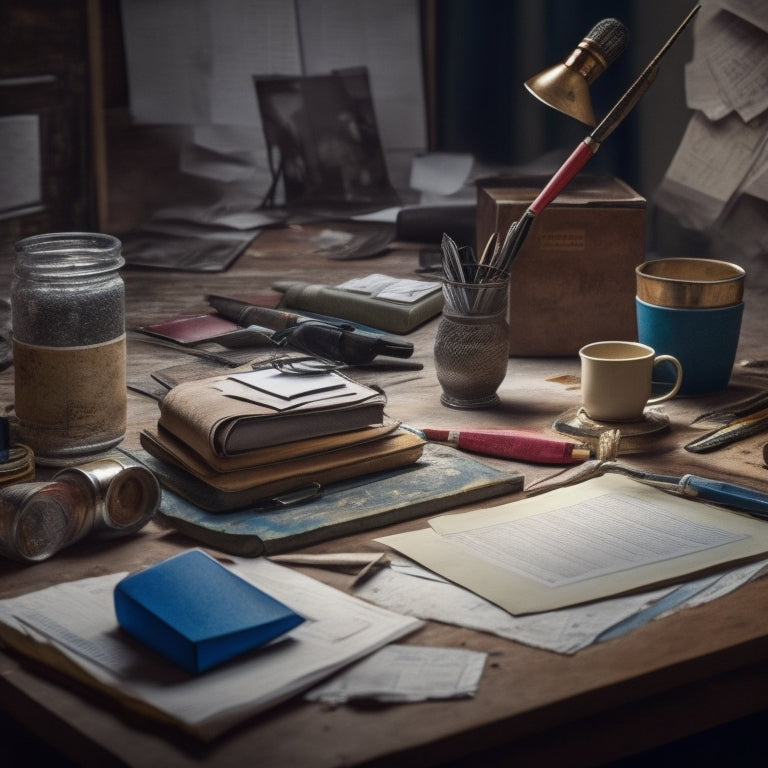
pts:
[565, 86]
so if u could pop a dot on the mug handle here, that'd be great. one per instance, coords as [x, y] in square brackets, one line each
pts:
[678, 378]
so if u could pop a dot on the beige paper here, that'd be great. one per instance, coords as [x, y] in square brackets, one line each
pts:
[604, 537]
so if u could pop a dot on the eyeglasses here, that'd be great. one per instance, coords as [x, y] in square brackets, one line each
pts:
[298, 366]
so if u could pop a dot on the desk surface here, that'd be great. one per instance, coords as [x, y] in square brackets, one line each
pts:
[700, 667]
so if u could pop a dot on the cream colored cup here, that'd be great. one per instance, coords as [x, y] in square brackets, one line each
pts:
[616, 379]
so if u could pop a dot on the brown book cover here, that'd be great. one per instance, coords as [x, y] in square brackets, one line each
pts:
[573, 281]
[204, 464]
[182, 472]
[226, 415]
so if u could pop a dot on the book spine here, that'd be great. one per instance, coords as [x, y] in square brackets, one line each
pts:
[360, 308]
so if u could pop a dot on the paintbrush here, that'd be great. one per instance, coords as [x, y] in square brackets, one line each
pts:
[518, 231]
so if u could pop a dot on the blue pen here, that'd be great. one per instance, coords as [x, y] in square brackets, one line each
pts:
[732, 495]
[737, 497]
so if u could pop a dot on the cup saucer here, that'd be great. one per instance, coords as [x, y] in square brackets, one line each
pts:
[634, 435]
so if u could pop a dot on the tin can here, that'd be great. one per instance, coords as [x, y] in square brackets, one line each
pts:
[124, 497]
[106, 498]
[38, 519]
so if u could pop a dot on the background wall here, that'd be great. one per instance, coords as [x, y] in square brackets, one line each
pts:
[479, 54]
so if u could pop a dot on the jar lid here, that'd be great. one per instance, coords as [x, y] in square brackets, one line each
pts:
[61, 254]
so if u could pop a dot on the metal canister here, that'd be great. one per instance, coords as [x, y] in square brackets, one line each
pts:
[125, 496]
[38, 519]
[106, 498]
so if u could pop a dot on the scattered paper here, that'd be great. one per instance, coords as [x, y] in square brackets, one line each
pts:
[391, 288]
[715, 180]
[594, 537]
[407, 588]
[73, 627]
[754, 11]
[709, 167]
[193, 65]
[639, 536]
[287, 386]
[406, 673]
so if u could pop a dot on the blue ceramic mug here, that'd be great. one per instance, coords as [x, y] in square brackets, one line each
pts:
[703, 339]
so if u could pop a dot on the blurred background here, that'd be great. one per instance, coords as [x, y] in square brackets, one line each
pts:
[108, 157]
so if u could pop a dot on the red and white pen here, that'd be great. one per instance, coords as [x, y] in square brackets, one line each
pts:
[510, 444]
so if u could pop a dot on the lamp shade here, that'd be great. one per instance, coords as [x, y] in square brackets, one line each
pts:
[565, 86]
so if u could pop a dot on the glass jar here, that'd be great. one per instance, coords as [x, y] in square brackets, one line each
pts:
[68, 326]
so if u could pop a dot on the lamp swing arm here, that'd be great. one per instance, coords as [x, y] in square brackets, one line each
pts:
[589, 146]
[636, 91]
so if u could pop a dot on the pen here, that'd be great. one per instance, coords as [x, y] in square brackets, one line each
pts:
[738, 497]
[509, 444]
[738, 429]
[732, 495]
[246, 314]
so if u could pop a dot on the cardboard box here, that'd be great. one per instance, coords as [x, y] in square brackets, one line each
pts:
[573, 281]
[197, 613]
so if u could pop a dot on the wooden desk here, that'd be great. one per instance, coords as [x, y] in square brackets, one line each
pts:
[676, 676]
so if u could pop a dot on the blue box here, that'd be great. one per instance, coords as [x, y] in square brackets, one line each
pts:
[197, 613]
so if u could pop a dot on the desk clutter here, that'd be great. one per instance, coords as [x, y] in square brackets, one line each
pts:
[260, 461]
[337, 630]
[285, 434]
[251, 435]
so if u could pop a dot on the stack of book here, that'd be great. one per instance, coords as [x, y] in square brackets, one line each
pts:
[252, 435]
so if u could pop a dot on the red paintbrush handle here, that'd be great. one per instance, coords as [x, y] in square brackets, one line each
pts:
[563, 176]
[512, 444]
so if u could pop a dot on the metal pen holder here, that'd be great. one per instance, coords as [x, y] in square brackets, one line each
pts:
[471, 348]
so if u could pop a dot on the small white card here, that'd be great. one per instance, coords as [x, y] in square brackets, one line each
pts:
[401, 290]
[289, 386]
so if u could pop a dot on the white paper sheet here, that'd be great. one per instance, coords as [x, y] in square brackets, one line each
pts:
[407, 588]
[594, 537]
[406, 673]
[711, 163]
[720, 163]
[507, 580]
